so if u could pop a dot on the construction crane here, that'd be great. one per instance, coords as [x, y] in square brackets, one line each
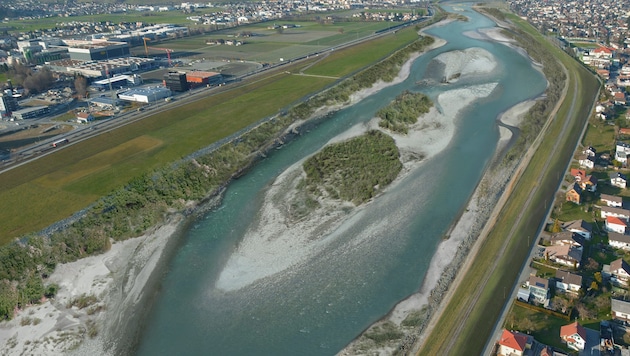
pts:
[168, 50]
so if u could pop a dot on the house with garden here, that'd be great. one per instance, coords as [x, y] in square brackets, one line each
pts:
[514, 343]
[611, 200]
[620, 310]
[619, 241]
[615, 224]
[567, 255]
[567, 238]
[568, 282]
[618, 180]
[621, 213]
[574, 335]
[539, 290]
[618, 271]
[574, 193]
[580, 227]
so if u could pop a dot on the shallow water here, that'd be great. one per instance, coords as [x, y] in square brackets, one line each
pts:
[373, 261]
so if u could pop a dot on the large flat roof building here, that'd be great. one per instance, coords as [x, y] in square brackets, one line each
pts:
[96, 50]
[145, 95]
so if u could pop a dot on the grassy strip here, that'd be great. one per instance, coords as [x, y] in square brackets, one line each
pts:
[477, 328]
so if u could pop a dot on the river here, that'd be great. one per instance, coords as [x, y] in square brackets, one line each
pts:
[373, 261]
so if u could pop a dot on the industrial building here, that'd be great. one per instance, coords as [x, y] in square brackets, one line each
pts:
[8, 104]
[145, 95]
[199, 78]
[31, 113]
[96, 50]
[103, 69]
[176, 81]
[118, 81]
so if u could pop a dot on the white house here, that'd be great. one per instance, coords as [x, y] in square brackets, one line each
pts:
[568, 282]
[587, 161]
[618, 180]
[514, 343]
[621, 157]
[614, 224]
[574, 335]
[564, 254]
[606, 211]
[579, 227]
[539, 289]
[611, 200]
[617, 240]
[618, 271]
[620, 310]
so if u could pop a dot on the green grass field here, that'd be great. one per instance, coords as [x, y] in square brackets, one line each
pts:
[267, 45]
[478, 325]
[53, 187]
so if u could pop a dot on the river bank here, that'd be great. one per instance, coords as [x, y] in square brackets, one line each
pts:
[101, 299]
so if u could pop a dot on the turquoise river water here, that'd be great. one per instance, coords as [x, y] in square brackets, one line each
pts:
[377, 260]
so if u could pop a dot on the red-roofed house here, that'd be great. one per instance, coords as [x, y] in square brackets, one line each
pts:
[619, 98]
[514, 343]
[574, 335]
[579, 174]
[614, 224]
[603, 52]
[624, 131]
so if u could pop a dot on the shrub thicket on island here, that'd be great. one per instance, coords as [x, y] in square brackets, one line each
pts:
[146, 200]
[403, 111]
[354, 170]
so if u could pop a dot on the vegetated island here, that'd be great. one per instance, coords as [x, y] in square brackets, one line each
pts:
[114, 276]
[404, 111]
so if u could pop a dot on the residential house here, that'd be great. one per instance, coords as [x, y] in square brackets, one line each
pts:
[617, 240]
[620, 310]
[622, 147]
[567, 238]
[614, 224]
[580, 227]
[84, 117]
[568, 282]
[539, 290]
[606, 211]
[624, 130]
[514, 343]
[574, 335]
[549, 351]
[587, 161]
[618, 271]
[574, 194]
[611, 200]
[578, 174]
[621, 157]
[564, 254]
[619, 98]
[618, 180]
[590, 151]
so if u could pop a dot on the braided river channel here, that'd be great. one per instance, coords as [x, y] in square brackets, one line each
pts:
[316, 302]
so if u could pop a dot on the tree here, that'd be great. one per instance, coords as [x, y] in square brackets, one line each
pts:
[594, 286]
[80, 85]
[340, 30]
[598, 277]
[556, 227]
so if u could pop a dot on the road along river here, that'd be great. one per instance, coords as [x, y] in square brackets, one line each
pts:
[243, 283]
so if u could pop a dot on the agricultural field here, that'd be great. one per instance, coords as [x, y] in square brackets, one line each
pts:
[77, 175]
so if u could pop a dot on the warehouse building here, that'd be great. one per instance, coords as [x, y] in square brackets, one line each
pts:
[199, 78]
[31, 113]
[145, 95]
[96, 50]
